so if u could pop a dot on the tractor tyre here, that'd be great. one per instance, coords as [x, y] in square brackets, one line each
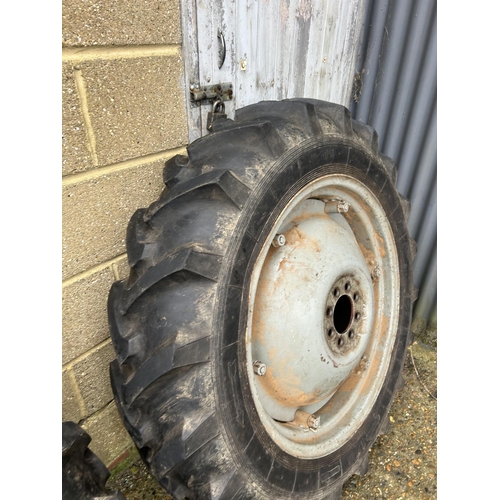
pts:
[261, 334]
[84, 475]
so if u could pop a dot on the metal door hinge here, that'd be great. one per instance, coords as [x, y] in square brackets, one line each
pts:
[208, 94]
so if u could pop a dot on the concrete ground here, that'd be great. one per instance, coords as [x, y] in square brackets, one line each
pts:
[403, 463]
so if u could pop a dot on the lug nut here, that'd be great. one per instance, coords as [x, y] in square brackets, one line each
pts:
[313, 422]
[343, 207]
[259, 368]
[336, 207]
[305, 421]
[279, 240]
[363, 364]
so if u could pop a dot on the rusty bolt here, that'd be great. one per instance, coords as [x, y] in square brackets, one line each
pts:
[279, 240]
[336, 207]
[376, 272]
[343, 207]
[363, 364]
[313, 422]
[259, 368]
[305, 421]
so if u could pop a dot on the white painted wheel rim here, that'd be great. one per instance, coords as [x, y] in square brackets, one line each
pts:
[324, 355]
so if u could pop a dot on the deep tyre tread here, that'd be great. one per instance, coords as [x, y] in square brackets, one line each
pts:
[174, 323]
[84, 476]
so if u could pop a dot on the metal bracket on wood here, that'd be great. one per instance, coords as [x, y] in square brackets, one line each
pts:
[208, 94]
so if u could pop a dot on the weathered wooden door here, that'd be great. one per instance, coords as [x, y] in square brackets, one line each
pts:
[268, 50]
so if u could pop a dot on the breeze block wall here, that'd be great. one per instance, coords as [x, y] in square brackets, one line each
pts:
[123, 116]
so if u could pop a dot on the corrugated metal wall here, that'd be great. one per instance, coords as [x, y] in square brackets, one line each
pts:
[397, 69]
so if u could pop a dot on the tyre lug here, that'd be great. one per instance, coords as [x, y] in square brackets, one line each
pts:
[279, 240]
[259, 368]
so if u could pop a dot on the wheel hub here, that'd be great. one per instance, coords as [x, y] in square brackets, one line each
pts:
[344, 314]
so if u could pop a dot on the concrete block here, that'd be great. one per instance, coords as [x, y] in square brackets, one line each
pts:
[96, 213]
[92, 378]
[84, 313]
[71, 409]
[118, 22]
[75, 150]
[109, 436]
[136, 106]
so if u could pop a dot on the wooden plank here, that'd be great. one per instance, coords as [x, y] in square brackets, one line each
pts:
[191, 62]
[276, 49]
[246, 23]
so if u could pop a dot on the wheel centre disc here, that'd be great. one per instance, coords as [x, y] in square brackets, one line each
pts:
[322, 305]
[293, 330]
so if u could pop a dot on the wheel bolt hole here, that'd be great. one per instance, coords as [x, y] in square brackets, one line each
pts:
[329, 311]
[351, 334]
[357, 316]
[336, 292]
[330, 332]
[356, 296]
[340, 342]
[347, 286]
[342, 314]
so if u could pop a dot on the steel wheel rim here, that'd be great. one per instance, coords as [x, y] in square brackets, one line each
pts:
[322, 239]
